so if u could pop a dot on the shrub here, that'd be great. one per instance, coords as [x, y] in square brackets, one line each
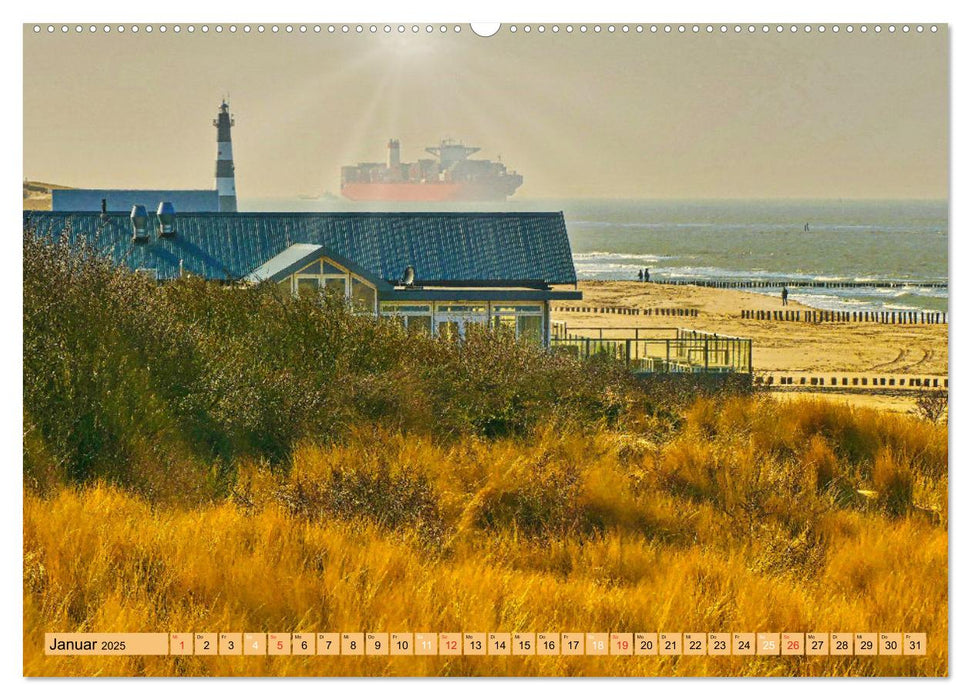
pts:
[931, 405]
[129, 381]
[820, 461]
[894, 484]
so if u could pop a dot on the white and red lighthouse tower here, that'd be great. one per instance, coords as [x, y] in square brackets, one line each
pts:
[225, 170]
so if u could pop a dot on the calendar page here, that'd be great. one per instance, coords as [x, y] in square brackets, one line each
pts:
[613, 349]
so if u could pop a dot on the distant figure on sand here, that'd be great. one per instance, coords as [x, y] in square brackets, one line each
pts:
[806, 227]
[785, 296]
[647, 274]
[640, 275]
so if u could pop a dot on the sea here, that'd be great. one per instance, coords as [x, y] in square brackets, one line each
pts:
[861, 241]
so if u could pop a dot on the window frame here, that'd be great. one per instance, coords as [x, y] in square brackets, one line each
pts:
[406, 311]
[321, 271]
[464, 312]
[352, 278]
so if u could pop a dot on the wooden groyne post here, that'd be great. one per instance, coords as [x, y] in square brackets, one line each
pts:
[924, 318]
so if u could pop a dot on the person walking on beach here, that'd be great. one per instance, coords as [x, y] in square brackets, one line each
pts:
[785, 296]
[640, 275]
[647, 274]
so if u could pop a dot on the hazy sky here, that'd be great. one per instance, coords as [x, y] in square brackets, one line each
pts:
[595, 115]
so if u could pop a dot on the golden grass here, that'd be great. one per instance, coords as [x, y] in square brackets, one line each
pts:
[746, 518]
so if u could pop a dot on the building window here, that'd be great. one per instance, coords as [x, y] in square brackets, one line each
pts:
[417, 318]
[335, 279]
[308, 286]
[318, 276]
[449, 330]
[420, 324]
[530, 329]
[335, 285]
[363, 295]
[525, 320]
[452, 320]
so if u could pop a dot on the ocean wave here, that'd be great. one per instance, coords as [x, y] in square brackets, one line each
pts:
[602, 255]
[914, 295]
[652, 225]
[704, 272]
[853, 300]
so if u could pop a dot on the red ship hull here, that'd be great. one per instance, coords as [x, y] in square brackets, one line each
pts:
[421, 192]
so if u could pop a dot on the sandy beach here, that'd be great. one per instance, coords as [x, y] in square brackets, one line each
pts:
[856, 349]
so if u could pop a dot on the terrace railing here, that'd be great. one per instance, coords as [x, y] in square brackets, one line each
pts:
[685, 351]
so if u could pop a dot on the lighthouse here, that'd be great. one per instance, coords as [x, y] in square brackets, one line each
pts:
[225, 171]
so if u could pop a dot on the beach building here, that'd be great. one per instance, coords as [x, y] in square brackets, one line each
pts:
[220, 199]
[435, 272]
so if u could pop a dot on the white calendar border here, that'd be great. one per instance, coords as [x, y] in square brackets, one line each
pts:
[830, 11]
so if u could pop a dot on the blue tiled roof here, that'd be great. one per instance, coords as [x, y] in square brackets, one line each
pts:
[124, 200]
[441, 246]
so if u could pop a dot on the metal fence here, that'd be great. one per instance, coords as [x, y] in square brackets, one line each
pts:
[687, 351]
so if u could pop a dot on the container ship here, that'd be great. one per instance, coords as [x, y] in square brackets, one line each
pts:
[449, 177]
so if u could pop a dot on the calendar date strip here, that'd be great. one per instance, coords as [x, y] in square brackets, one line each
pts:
[487, 644]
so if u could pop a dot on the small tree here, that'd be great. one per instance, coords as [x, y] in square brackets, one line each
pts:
[931, 405]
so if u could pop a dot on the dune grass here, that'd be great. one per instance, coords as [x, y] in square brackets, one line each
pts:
[754, 529]
[203, 459]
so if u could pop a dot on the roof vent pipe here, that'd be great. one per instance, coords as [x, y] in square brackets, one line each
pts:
[139, 223]
[166, 219]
